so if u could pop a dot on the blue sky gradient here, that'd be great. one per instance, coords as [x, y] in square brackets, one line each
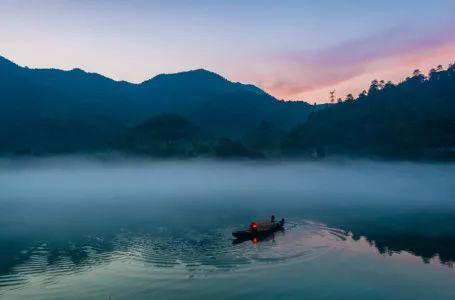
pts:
[292, 49]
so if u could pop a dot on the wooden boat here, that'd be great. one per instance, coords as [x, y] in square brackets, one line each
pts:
[259, 228]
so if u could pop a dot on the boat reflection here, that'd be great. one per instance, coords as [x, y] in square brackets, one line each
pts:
[268, 236]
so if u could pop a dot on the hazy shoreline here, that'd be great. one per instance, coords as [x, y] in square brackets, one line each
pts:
[121, 158]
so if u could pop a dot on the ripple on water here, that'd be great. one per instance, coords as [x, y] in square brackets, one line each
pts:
[189, 252]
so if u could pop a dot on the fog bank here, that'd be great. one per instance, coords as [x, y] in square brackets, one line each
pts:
[64, 179]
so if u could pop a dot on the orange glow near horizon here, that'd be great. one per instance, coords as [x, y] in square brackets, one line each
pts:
[294, 50]
[395, 69]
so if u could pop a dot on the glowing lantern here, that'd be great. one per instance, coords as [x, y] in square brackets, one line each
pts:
[254, 226]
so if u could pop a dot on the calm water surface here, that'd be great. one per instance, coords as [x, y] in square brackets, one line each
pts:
[79, 229]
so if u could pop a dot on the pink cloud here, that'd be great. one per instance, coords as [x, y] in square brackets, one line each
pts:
[312, 74]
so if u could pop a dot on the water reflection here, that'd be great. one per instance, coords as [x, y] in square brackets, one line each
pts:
[426, 233]
[441, 249]
[194, 252]
[269, 236]
[138, 228]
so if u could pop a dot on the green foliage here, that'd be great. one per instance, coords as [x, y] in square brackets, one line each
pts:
[166, 135]
[228, 149]
[413, 119]
[46, 111]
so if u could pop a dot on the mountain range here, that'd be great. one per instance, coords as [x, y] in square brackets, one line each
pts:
[82, 111]
[198, 112]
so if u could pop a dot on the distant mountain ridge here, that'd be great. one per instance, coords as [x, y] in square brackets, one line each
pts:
[199, 80]
[36, 102]
[200, 113]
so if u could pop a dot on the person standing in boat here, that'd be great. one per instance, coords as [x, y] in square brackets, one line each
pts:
[272, 219]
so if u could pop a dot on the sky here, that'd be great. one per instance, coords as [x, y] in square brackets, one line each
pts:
[294, 50]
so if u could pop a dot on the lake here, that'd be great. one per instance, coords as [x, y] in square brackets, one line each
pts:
[75, 228]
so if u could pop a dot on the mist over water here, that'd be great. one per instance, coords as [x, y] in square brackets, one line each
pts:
[169, 224]
[61, 178]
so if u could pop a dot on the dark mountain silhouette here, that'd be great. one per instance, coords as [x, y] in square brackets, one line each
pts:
[413, 119]
[229, 108]
[165, 135]
[45, 111]
[49, 110]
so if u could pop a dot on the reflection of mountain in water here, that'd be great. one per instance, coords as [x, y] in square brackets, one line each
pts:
[422, 230]
[197, 252]
[424, 247]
